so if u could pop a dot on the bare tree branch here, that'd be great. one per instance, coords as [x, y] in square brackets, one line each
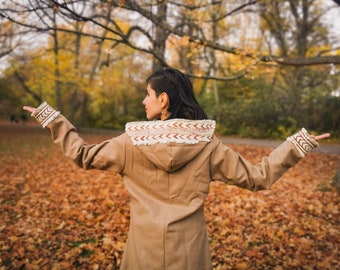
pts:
[324, 60]
[66, 10]
[6, 52]
[26, 88]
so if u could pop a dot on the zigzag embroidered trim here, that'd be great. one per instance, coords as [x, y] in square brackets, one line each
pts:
[303, 142]
[45, 114]
[174, 130]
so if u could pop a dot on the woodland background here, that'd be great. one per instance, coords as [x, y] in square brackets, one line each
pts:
[262, 69]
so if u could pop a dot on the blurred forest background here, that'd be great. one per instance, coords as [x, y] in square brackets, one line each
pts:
[260, 68]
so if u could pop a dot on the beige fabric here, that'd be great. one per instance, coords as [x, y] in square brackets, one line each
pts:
[173, 130]
[168, 184]
[45, 114]
[303, 142]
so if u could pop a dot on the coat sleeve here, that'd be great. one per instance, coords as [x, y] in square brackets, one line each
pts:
[231, 168]
[108, 155]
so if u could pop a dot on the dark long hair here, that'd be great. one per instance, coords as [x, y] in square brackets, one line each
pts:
[178, 87]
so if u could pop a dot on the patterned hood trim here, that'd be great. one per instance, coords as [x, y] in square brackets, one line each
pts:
[170, 131]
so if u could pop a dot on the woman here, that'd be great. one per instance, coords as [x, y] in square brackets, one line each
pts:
[167, 166]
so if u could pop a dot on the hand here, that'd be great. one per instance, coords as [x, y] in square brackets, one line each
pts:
[29, 109]
[320, 137]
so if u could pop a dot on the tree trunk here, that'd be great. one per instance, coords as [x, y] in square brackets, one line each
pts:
[160, 36]
[57, 77]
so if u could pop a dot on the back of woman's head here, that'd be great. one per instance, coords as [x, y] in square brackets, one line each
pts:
[178, 87]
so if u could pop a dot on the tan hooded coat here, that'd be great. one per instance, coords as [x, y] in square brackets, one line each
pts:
[167, 167]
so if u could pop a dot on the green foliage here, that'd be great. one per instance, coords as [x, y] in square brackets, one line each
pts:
[247, 108]
[257, 108]
[73, 244]
[9, 98]
[329, 116]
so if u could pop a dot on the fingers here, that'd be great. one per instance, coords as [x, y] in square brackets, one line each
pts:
[320, 137]
[28, 108]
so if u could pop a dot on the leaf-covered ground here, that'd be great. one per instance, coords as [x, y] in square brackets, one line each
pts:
[54, 215]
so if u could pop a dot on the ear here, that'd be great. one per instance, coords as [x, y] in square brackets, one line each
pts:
[164, 100]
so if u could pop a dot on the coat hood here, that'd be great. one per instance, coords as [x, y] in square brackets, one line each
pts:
[170, 144]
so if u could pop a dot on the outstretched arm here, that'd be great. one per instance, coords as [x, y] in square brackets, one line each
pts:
[107, 155]
[229, 167]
